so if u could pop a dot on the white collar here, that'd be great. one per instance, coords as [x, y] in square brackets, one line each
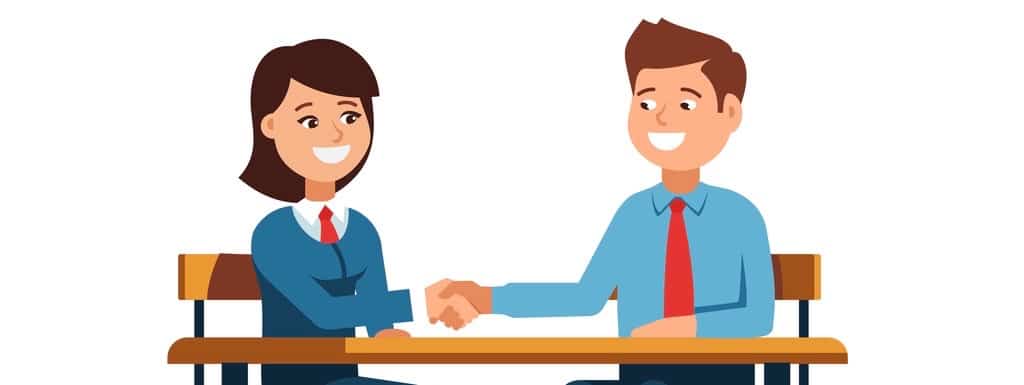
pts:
[310, 210]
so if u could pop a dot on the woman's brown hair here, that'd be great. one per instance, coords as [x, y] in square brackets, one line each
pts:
[325, 65]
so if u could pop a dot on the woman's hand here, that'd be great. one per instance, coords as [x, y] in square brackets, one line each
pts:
[392, 333]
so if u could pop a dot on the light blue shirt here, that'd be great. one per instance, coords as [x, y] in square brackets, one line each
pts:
[734, 290]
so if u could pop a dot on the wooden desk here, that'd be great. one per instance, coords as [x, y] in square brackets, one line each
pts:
[777, 353]
[204, 277]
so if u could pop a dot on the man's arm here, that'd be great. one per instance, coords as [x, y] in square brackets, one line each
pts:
[752, 315]
[584, 297]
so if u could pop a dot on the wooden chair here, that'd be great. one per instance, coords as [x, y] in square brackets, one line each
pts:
[204, 277]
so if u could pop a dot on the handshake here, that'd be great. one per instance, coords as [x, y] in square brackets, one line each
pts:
[457, 303]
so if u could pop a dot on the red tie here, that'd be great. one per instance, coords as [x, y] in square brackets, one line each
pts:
[678, 269]
[327, 233]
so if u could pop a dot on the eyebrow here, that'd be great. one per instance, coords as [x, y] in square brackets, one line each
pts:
[692, 91]
[353, 104]
[648, 89]
[303, 105]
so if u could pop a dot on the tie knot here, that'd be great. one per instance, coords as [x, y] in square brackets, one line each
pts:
[326, 214]
[677, 205]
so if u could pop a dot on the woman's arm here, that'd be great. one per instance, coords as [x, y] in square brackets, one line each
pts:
[329, 312]
[296, 283]
[394, 306]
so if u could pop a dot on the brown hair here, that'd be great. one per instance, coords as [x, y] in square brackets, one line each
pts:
[665, 45]
[325, 65]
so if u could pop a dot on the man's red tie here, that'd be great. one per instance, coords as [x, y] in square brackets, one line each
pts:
[327, 232]
[678, 267]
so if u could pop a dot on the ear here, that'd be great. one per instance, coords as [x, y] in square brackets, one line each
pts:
[267, 126]
[732, 108]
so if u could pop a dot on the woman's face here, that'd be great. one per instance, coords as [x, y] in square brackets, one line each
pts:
[320, 136]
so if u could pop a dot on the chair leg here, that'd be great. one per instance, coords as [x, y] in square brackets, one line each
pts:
[197, 331]
[805, 326]
[199, 375]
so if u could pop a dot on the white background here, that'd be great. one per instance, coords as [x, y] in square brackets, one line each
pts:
[885, 137]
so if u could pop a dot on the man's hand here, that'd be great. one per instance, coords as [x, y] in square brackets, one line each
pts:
[456, 304]
[392, 333]
[478, 296]
[684, 326]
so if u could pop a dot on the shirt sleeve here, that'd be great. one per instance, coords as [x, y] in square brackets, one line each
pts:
[372, 305]
[584, 297]
[753, 314]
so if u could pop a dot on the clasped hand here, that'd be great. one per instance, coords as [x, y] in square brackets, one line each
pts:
[457, 303]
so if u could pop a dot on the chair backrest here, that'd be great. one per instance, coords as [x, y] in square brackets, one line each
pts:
[232, 276]
[797, 276]
[217, 276]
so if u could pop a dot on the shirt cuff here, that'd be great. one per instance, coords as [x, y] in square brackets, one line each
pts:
[500, 299]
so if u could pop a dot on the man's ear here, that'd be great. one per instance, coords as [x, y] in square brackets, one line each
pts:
[732, 108]
[267, 126]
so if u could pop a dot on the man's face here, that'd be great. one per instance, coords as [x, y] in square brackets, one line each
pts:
[674, 120]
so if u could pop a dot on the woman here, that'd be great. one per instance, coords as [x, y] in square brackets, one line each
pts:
[312, 120]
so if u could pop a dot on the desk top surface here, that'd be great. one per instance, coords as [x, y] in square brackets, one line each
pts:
[501, 350]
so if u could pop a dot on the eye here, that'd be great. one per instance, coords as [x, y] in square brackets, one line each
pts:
[350, 117]
[648, 104]
[688, 104]
[309, 121]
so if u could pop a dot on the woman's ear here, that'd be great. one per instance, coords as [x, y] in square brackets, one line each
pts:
[267, 126]
[733, 110]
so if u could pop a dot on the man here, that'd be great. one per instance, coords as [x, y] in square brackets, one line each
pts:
[688, 259]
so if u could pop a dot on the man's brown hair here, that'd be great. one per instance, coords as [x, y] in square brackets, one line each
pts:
[665, 45]
[324, 65]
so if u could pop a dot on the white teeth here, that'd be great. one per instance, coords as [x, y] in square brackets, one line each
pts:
[331, 155]
[666, 141]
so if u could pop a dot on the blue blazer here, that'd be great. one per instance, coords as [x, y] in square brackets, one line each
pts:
[311, 289]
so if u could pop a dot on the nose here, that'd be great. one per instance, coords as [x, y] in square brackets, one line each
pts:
[658, 117]
[338, 130]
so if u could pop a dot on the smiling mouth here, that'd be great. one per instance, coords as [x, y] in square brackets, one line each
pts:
[666, 141]
[331, 155]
